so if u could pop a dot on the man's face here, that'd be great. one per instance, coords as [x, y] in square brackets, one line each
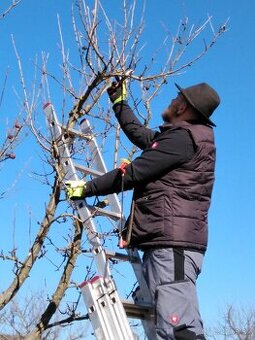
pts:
[170, 113]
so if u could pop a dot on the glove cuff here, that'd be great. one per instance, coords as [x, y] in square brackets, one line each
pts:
[118, 100]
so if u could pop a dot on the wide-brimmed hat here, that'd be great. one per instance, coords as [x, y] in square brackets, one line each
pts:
[203, 98]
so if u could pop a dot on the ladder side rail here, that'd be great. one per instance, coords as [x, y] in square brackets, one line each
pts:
[95, 315]
[105, 310]
[80, 205]
[119, 313]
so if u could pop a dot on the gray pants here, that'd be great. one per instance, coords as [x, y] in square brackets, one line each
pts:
[173, 291]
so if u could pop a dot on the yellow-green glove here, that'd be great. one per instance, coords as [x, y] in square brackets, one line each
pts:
[117, 91]
[75, 189]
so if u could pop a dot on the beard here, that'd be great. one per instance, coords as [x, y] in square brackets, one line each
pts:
[164, 117]
[168, 114]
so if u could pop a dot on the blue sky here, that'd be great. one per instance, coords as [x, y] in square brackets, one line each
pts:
[228, 274]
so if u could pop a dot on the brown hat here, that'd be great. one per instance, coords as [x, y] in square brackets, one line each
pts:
[203, 98]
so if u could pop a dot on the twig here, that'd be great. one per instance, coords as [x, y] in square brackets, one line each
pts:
[7, 11]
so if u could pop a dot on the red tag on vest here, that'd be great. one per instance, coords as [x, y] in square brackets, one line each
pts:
[154, 145]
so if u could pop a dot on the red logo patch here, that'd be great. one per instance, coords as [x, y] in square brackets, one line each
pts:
[174, 319]
[154, 145]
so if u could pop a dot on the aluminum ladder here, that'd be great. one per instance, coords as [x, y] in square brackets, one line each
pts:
[107, 312]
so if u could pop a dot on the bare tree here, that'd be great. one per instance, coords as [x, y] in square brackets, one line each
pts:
[238, 323]
[21, 317]
[104, 49]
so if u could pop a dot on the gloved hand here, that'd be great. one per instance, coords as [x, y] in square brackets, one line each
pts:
[117, 91]
[75, 189]
[124, 163]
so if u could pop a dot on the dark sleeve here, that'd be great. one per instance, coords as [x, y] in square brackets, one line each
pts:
[165, 154]
[109, 183]
[137, 133]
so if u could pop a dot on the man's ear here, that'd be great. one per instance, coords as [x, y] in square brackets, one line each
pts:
[181, 108]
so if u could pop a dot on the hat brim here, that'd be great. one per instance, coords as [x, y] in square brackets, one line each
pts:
[192, 104]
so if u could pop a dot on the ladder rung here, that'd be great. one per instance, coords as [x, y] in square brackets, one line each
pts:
[137, 311]
[110, 254]
[87, 171]
[103, 212]
[75, 133]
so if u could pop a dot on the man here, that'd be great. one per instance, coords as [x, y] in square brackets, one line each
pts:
[172, 181]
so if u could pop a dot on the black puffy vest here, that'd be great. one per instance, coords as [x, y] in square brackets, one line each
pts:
[173, 210]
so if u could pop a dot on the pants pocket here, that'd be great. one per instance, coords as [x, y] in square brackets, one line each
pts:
[173, 308]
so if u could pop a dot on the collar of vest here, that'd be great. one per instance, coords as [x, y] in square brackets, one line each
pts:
[167, 126]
